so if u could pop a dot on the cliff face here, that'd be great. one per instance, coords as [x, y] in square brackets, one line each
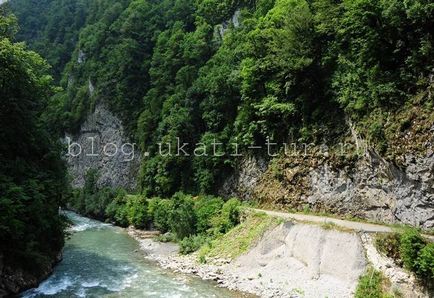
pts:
[394, 187]
[101, 144]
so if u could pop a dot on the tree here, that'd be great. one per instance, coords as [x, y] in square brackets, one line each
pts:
[32, 174]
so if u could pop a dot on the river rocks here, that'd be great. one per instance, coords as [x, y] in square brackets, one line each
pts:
[291, 260]
[101, 144]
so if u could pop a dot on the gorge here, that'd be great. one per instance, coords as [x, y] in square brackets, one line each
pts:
[91, 89]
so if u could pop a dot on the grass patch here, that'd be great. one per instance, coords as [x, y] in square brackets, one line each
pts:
[240, 239]
[373, 285]
[329, 226]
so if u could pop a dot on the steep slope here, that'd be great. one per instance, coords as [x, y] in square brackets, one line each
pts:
[265, 73]
[32, 174]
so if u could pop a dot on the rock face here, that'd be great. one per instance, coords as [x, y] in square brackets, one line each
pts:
[224, 26]
[242, 182]
[369, 187]
[102, 145]
[377, 189]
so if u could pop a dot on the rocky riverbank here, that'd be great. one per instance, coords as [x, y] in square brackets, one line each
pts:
[291, 260]
[16, 280]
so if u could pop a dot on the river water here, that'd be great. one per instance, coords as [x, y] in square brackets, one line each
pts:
[101, 260]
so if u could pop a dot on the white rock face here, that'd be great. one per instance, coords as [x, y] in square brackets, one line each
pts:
[234, 21]
[81, 57]
[101, 144]
[305, 260]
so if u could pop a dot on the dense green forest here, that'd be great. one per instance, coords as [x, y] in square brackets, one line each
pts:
[204, 71]
[32, 174]
[230, 71]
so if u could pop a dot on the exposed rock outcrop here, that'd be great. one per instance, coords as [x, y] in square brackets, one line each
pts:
[369, 187]
[101, 144]
[15, 280]
[224, 26]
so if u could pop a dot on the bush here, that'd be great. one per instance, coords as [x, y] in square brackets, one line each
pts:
[161, 210]
[117, 210]
[370, 285]
[191, 244]
[425, 262]
[137, 211]
[389, 245]
[182, 218]
[207, 208]
[411, 244]
[228, 218]
[167, 237]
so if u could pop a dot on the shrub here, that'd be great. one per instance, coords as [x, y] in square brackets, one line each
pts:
[389, 244]
[206, 208]
[117, 210]
[411, 244]
[137, 211]
[161, 210]
[425, 262]
[191, 244]
[182, 218]
[167, 237]
[370, 285]
[228, 218]
[152, 204]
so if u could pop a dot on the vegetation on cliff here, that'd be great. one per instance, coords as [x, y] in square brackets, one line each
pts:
[209, 72]
[32, 174]
[412, 251]
[234, 71]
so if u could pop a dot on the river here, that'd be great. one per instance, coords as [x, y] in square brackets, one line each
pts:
[101, 260]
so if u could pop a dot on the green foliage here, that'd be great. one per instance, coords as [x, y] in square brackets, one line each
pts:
[207, 208]
[239, 239]
[191, 244]
[166, 237]
[182, 218]
[425, 263]
[137, 211]
[117, 211]
[370, 285]
[285, 69]
[411, 244]
[32, 174]
[51, 28]
[228, 218]
[411, 250]
[379, 60]
[389, 245]
[160, 215]
[91, 200]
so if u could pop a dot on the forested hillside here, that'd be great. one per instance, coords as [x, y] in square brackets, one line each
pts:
[232, 71]
[225, 72]
[32, 174]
